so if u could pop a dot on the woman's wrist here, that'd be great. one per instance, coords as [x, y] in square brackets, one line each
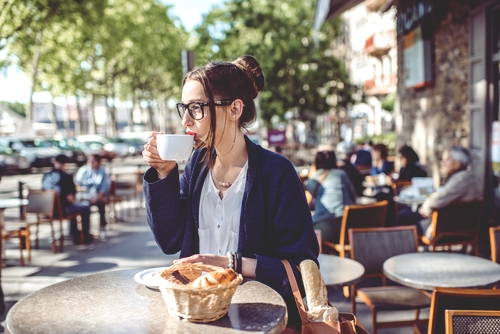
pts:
[248, 267]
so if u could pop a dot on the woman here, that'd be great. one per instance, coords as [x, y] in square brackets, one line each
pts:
[379, 160]
[332, 190]
[410, 164]
[234, 195]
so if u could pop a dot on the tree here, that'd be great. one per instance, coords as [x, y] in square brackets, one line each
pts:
[299, 75]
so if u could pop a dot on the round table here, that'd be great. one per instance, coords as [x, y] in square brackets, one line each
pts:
[447, 270]
[339, 271]
[411, 202]
[112, 302]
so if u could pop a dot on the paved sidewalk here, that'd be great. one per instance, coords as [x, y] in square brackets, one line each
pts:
[129, 245]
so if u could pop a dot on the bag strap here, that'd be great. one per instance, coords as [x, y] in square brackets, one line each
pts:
[320, 180]
[296, 292]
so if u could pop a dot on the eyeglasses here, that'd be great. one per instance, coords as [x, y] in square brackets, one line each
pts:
[196, 109]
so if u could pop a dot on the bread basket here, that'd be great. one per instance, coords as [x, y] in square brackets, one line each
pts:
[196, 304]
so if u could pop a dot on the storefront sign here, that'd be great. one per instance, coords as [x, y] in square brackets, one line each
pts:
[276, 137]
[414, 15]
[417, 58]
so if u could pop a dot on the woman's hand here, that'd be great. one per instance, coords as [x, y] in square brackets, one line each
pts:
[214, 260]
[152, 158]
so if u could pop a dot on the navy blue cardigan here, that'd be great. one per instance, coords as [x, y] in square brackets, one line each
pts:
[275, 219]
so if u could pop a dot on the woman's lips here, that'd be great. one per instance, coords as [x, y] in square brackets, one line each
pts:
[191, 133]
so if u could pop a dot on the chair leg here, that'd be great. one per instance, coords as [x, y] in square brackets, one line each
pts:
[374, 321]
[54, 241]
[36, 236]
[61, 236]
[346, 291]
[28, 243]
[21, 257]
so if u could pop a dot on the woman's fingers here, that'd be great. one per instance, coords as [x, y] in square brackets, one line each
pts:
[214, 260]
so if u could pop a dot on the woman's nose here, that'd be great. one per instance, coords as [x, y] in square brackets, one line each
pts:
[187, 120]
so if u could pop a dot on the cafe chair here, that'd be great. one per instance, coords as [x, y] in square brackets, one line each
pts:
[62, 216]
[357, 216]
[456, 224]
[371, 247]
[22, 232]
[495, 244]
[115, 197]
[472, 322]
[459, 299]
[40, 210]
[398, 185]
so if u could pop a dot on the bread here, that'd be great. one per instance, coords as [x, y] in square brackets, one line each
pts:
[316, 293]
[223, 276]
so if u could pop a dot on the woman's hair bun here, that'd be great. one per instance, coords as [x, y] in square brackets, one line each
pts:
[252, 69]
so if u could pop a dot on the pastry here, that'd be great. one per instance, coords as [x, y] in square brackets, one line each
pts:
[223, 276]
[316, 293]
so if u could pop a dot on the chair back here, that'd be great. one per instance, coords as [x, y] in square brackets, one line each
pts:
[372, 246]
[41, 202]
[362, 216]
[459, 299]
[398, 185]
[472, 322]
[457, 220]
[495, 244]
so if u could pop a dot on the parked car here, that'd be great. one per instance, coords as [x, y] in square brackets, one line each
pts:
[120, 147]
[36, 151]
[70, 148]
[136, 145]
[95, 147]
[12, 162]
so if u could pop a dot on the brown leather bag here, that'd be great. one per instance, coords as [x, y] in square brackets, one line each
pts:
[347, 323]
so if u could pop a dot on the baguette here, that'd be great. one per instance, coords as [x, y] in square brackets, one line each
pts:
[316, 293]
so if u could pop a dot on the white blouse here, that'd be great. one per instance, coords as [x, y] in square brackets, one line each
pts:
[220, 218]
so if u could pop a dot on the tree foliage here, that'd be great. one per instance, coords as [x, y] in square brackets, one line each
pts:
[301, 75]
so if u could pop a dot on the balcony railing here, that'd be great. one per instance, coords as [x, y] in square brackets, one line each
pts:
[380, 43]
[381, 85]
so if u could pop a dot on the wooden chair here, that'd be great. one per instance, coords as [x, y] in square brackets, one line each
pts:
[495, 244]
[371, 247]
[472, 322]
[459, 299]
[117, 197]
[61, 216]
[357, 216]
[456, 224]
[41, 208]
[398, 185]
[22, 232]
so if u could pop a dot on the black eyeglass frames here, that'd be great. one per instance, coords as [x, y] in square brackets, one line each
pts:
[196, 109]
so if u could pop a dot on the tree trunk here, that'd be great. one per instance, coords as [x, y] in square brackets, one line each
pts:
[151, 117]
[67, 129]
[91, 114]
[131, 114]
[53, 114]
[34, 74]
[78, 122]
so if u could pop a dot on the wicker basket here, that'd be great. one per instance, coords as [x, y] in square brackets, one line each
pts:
[196, 304]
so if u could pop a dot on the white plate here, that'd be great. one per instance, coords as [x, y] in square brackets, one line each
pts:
[150, 277]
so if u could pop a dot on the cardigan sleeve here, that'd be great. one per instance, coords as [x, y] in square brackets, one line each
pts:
[166, 206]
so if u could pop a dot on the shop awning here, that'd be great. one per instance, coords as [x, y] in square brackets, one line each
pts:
[327, 9]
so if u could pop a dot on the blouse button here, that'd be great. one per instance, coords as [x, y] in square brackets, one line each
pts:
[218, 226]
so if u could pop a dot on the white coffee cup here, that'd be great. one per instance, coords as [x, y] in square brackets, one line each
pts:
[174, 147]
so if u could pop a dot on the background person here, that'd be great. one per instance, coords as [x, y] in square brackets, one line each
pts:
[380, 164]
[94, 178]
[410, 165]
[234, 196]
[57, 179]
[345, 151]
[460, 186]
[333, 193]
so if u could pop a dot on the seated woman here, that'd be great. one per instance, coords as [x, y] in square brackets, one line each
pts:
[379, 160]
[332, 190]
[410, 164]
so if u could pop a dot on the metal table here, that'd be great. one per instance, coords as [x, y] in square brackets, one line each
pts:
[447, 270]
[339, 271]
[112, 302]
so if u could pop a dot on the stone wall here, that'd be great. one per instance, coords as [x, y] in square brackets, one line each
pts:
[434, 118]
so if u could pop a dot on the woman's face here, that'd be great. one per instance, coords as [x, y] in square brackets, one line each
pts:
[403, 160]
[193, 92]
[376, 155]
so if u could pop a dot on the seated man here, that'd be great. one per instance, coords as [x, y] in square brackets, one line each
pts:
[345, 151]
[461, 186]
[57, 179]
[94, 178]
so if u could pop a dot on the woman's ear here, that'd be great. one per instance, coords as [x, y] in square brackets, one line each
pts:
[236, 109]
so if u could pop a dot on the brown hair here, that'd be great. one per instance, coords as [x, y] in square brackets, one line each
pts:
[384, 152]
[221, 80]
